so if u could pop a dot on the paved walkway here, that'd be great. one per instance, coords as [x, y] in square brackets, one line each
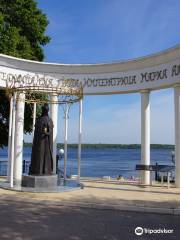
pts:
[107, 195]
[32, 221]
[102, 210]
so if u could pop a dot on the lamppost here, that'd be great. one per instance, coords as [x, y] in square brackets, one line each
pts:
[59, 156]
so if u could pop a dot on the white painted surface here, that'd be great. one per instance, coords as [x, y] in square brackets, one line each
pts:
[177, 133]
[19, 131]
[66, 113]
[79, 140]
[54, 117]
[145, 136]
[34, 118]
[96, 79]
[10, 138]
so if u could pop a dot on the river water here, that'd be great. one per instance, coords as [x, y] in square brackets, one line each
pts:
[102, 162]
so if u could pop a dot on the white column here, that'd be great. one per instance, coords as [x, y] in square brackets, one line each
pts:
[54, 117]
[177, 134]
[145, 135]
[9, 139]
[79, 140]
[65, 139]
[34, 118]
[19, 139]
[12, 140]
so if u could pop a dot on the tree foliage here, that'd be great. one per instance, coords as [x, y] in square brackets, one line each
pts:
[22, 34]
[22, 29]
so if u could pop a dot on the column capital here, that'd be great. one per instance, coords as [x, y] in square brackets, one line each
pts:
[145, 91]
[21, 96]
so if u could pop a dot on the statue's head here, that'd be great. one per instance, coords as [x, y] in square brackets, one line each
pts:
[45, 109]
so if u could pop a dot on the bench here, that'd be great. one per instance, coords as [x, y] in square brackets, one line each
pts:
[163, 169]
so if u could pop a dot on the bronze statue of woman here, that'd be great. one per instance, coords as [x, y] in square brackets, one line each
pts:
[41, 157]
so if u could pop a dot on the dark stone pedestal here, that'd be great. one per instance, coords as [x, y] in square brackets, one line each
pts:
[33, 181]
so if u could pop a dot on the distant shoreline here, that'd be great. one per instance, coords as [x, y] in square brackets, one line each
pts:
[111, 146]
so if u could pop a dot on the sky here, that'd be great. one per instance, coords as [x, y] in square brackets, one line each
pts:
[95, 31]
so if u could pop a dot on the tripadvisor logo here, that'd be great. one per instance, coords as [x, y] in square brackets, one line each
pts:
[139, 231]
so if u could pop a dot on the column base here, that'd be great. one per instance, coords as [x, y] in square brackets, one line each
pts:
[177, 183]
[145, 177]
[17, 183]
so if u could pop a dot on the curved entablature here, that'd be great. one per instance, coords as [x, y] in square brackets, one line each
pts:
[156, 71]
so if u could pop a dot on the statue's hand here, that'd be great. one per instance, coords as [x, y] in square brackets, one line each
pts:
[45, 131]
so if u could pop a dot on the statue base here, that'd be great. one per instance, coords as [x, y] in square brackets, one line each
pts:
[34, 181]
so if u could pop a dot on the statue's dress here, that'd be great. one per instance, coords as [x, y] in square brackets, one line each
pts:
[41, 157]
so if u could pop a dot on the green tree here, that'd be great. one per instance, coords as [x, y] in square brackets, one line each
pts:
[22, 34]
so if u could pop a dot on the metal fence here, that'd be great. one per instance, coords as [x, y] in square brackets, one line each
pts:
[3, 168]
[4, 163]
[26, 165]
